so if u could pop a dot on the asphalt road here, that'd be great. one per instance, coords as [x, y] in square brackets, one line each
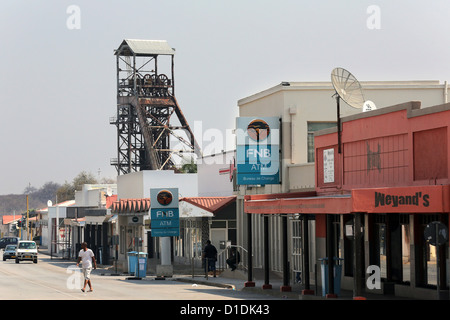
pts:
[60, 280]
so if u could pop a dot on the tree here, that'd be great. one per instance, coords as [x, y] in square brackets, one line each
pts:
[83, 178]
[67, 190]
[46, 192]
[188, 166]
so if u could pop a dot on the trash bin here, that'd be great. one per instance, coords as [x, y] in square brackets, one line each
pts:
[141, 265]
[131, 257]
[336, 275]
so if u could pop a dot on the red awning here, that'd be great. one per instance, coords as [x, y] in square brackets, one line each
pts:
[415, 199]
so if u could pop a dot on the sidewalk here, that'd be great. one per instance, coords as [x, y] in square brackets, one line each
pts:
[234, 281]
[225, 281]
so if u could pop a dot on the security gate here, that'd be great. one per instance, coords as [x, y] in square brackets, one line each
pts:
[297, 256]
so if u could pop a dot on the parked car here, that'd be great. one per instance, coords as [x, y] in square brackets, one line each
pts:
[8, 240]
[26, 250]
[10, 252]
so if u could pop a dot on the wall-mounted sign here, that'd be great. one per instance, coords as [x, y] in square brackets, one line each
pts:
[436, 233]
[258, 150]
[164, 212]
[401, 199]
[135, 220]
[328, 165]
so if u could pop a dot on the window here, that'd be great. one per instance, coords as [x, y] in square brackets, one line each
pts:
[406, 248]
[313, 127]
[379, 240]
[428, 257]
[27, 245]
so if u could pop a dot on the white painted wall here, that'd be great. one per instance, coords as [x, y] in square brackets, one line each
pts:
[52, 212]
[94, 195]
[138, 184]
[210, 182]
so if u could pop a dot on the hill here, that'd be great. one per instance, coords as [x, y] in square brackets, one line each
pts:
[18, 203]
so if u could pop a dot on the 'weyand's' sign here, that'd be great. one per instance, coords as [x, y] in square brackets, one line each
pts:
[401, 199]
[417, 199]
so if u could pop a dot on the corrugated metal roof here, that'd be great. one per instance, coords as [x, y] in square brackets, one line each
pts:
[131, 205]
[144, 47]
[211, 204]
[11, 218]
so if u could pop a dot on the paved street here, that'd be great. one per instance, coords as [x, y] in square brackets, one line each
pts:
[56, 280]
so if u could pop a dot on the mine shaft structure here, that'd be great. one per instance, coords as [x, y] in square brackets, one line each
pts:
[146, 106]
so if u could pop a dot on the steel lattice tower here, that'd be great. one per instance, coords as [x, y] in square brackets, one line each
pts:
[145, 107]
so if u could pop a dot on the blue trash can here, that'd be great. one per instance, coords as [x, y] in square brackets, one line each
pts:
[132, 261]
[141, 265]
[336, 275]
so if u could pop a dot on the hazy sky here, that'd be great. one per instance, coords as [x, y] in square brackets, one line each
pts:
[58, 89]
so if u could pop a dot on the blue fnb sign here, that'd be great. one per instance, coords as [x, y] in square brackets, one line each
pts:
[258, 150]
[164, 212]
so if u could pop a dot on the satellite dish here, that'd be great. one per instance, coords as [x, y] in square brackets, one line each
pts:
[369, 106]
[347, 87]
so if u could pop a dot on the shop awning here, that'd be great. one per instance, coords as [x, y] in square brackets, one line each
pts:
[131, 206]
[97, 219]
[210, 204]
[80, 222]
[415, 199]
[309, 205]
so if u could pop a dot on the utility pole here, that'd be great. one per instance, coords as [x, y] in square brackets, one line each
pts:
[28, 223]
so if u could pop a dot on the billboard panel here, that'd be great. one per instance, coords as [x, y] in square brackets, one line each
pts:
[258, 150]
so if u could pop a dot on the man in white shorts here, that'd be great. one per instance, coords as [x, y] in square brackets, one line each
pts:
[86, 256]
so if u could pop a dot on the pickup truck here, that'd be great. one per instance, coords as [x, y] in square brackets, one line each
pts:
[26, 250]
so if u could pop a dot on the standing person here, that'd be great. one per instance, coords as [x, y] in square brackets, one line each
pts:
[86, 256]
[210, 256]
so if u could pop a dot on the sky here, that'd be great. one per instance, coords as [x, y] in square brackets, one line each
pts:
[58, 71]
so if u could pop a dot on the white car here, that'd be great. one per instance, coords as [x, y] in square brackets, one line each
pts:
[26, 250]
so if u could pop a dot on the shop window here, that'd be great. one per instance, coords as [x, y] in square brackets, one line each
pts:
[427, 264]
[379, 243]
[313, 127]
[337, 235]
[218, 224]
[406, 248]
[189, 244]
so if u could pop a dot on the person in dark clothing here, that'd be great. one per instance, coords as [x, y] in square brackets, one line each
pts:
[210, 256]
[234, 259]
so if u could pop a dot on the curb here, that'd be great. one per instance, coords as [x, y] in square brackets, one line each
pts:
[206, 283]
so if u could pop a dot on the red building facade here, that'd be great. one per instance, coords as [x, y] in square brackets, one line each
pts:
[389, 181]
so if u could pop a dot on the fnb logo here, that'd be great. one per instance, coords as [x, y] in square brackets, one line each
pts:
[262, 153]
[164, 197]
[258, 130]
[165, 214]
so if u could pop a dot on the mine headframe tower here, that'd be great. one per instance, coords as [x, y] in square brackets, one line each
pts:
[145, 107]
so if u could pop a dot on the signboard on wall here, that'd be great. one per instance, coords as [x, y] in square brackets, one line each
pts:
[328, 165]
[164, 212]
[421, 199]
[258, 150]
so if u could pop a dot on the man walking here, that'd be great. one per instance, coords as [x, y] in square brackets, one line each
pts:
[86, 256]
